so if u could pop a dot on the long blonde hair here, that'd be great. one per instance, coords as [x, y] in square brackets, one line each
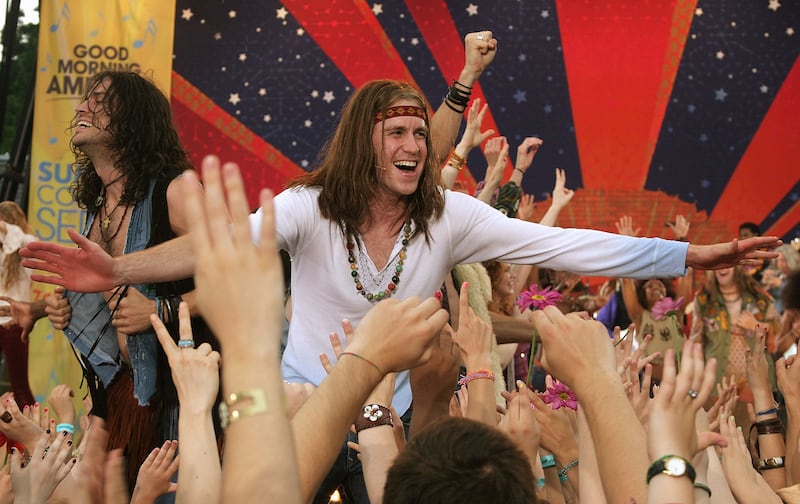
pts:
[11, 213]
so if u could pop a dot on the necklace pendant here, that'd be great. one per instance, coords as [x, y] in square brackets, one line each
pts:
[99, 201]
[106, 222]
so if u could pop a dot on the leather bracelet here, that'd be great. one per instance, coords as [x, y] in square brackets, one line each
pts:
[373, 415]
[771, 426]
[230, 412]
[770, 463]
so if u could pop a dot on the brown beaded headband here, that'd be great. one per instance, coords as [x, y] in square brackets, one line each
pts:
[398, 111]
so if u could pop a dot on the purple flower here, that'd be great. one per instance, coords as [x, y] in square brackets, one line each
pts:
[538, 298]
[666, 306]
[559, 395]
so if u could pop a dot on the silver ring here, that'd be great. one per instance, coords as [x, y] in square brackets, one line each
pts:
[693, 393]
[186, 343]
[479, 36]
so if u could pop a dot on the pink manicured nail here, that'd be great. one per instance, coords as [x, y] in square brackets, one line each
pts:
[438, 295]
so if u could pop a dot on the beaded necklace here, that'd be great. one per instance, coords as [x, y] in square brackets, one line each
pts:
[398, 269]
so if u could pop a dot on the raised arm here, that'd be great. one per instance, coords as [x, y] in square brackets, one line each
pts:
[480, 49]
[472, 137]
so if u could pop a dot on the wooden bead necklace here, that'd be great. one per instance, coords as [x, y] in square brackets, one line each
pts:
[398, 269]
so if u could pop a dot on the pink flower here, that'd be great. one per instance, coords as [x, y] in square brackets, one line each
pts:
[559, 395]
[538, 298]
[666, 306]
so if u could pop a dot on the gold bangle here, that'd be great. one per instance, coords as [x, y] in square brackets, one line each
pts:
[229, 413]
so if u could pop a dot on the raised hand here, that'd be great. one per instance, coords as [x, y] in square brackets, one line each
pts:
[492, 149]
[21, 313]
[625, 226]
[60, 401]
[47, 467]
[473, 136]
[526, 207]
[155, 474]
[195, 371]
[680, 227]
[480, 49]
[561, 195]
[525, 153]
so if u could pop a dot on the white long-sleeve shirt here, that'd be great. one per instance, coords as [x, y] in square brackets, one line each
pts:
[323, 291]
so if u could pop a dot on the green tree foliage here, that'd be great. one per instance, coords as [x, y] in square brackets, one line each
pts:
[22, 73]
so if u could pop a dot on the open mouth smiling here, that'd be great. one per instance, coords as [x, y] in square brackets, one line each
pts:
[407, 166]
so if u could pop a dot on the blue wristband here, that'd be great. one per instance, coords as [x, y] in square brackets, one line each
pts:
[65, 427]
[548, 461]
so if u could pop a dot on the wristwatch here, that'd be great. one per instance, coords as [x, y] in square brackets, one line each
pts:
[671, 465]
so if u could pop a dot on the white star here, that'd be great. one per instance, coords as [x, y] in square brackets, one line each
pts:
[764, 88]
[307, 123]
[472, 10]
[267, 118]
[774, 5]
[377, 8]
[234, 99]
[414, 41]
[522, 57]
[232, 14]
[698, 12]
[217, 36]
[720, 95]
[202, 21]
[243, 57]
[328, 97]
[262, 91]
[545, 14]
[314, 93]
[304, 163]
[720, 55]
[281, 13]
[790, 31]
[300, 32]
[187, 14]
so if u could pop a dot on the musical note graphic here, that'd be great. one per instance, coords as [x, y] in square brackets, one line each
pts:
[101, 22]
[65, 15]
[151, 30]
[131, 8]
[50, 138]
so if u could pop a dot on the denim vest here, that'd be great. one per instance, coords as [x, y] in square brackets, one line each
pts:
[90, 315]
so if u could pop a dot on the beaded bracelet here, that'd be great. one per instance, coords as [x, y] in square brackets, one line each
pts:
[562, 474]
[548, 461]
[65, 427]
[455, 160]
[486, 374]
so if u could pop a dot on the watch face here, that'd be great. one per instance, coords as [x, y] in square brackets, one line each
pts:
[675, 466]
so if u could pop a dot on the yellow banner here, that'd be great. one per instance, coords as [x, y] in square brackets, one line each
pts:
[78, 39]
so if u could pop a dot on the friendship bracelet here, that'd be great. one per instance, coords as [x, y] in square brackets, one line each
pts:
[773, 410]
[365, 360]
[519, 170]
[374, 415]
[562, 474]
[229, 412]
[548, 461]
[485, 374]
[65, 427]
[770, 463]
[703, 487]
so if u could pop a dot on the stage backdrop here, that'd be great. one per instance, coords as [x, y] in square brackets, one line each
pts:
[653, 108]
[78, 39]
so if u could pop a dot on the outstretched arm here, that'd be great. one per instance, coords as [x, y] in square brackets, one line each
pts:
[89, 268]
[725, 255]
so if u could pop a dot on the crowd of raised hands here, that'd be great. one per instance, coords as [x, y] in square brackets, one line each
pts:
[282, 438]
